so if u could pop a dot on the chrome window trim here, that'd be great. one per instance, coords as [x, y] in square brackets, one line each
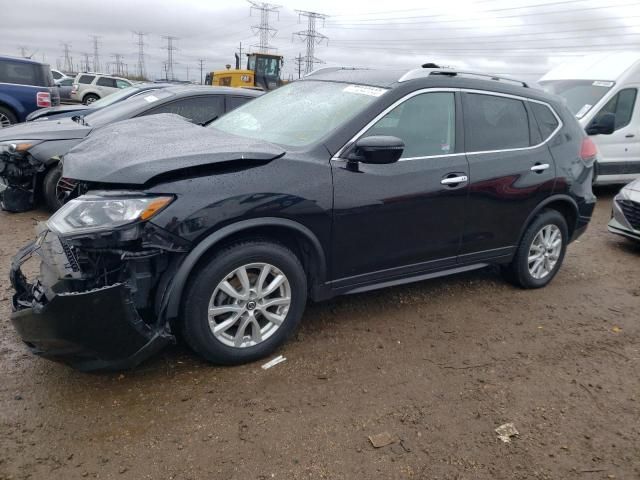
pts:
[337, 156]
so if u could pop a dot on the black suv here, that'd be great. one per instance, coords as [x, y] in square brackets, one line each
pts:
[344, 182]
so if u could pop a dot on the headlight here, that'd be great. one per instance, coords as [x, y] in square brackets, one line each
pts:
[17, 146]
[91, 213]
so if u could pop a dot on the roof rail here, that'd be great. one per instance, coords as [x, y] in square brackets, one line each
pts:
[425, 72]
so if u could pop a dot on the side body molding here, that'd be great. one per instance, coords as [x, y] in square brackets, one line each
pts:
[170, 303]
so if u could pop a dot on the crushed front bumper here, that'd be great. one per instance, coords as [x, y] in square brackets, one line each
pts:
[97, 329]
[619, 229]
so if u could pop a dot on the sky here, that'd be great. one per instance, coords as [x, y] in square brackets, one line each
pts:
[522, 38]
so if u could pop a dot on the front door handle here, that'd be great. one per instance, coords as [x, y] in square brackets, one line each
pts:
[539, 167]
[454, 180]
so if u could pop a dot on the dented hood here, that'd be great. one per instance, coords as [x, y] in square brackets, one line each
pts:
[137, 150]
[63, 129]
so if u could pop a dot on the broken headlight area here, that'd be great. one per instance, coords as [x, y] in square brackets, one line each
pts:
[19, 172]
[93, 302]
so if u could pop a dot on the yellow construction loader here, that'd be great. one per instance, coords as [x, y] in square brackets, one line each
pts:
[262, 72]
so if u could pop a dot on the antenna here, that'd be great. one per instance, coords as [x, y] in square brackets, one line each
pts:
[264, 31]
[311, 37]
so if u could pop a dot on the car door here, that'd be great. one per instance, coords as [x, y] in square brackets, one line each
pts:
[621, 150]
[401, 219]
[511, 171]
[200, 110]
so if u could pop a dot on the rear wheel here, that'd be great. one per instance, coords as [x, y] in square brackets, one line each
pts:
[541, 251]
[7, 117]
[53, 196]
[244, 303]
[89, 98]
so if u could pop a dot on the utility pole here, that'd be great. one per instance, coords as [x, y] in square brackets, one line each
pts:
[141, 67]
[85, 65]
[201, 62]
[263, 31]
[311, 37]
[170, 62]
[299, 61]
[240, 55]
[96, 54]
[68, 61]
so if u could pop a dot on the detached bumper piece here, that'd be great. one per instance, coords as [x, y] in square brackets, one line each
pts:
[97, 329]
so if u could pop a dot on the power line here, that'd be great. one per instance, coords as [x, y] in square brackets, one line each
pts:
[169, 75]
[264, 31]
[96, 54]
[142, 71]
[311, 37]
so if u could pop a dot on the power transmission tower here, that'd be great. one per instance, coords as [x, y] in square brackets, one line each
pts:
[169, 75]
[187, 73]
[264, 31]
[68, 61]
[96, 54]
[299, 61]
[201, 62]
[311, 37]
[85, 64]
[141, 67]
[118, 64]
[23, 52]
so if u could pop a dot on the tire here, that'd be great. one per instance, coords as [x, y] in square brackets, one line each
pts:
[205, 289]
[50, 188]
[7, 117]
[89, 98]
[524, 274]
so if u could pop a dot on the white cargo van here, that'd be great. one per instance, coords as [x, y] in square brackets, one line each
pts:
[601, 84]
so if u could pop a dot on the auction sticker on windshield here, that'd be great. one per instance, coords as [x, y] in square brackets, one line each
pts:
[583, 111]
[365, 90]
[599, 83]
[151, 98]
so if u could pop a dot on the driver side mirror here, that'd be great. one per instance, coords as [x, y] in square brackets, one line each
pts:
[377, 149]
[604, 125]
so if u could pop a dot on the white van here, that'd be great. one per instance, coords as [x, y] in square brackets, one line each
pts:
[594, 86]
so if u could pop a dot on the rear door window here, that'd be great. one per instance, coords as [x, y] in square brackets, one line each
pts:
[86, 79]
[547, 121]
[106, 82]
[494, 123]
[621, 105]
[200, 110]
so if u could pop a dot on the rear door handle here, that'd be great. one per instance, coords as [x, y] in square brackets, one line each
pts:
[454, 180]
[539, 167]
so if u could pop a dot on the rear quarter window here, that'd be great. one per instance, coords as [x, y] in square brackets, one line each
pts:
[547, 121]
[495, 123]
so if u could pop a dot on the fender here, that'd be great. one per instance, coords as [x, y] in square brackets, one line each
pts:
[170, 304]
[12, 104]
[553, 198]
[49, 152]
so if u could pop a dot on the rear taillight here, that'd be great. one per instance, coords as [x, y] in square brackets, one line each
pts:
[43, 99]
[74, 88]
[588, 150]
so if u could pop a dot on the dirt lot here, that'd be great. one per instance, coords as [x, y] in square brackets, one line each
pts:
[438, 365]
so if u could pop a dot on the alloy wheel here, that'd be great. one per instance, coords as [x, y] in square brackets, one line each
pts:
[249, 305]
[544, 251]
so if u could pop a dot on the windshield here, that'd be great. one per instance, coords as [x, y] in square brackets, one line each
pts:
[115, 97]
[300, 113]
[581, 95]
[124, 110]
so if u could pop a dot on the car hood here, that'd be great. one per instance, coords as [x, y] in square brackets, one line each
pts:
[62, 129]
[49, 111]
[135, 151]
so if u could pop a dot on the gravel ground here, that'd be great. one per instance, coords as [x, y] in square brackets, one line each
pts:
[435, 366]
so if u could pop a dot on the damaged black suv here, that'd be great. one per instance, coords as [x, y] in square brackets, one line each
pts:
[343, 182]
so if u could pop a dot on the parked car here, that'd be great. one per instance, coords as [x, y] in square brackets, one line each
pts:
[30, 153]
[625, 218]
[25, 85]
[91, 87]
[599, 88]
[343, 182]
[64, 90]
[59, 76]
[82, 109]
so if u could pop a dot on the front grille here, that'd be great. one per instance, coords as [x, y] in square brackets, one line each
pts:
[631, 212]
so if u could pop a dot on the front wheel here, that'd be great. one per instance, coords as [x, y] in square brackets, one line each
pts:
[244, 303]
[54, 198]
[541, 251]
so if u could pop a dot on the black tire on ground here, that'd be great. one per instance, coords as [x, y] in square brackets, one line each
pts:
[50, 188]
[202, 283]
[7, 115]
[90, 98]
[517, 272]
